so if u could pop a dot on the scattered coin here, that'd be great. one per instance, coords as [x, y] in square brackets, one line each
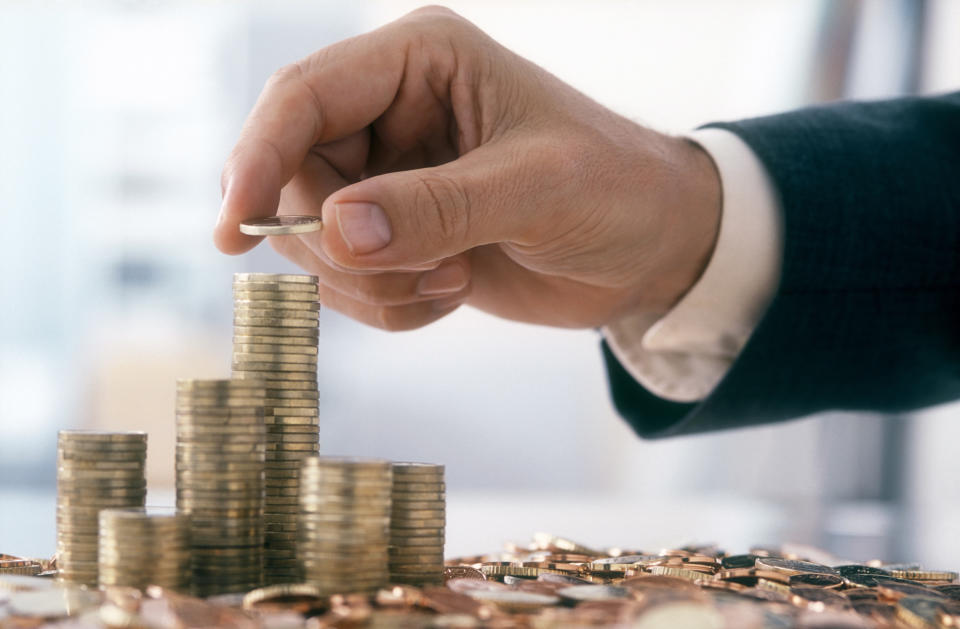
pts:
[514, 601]
[792, 566]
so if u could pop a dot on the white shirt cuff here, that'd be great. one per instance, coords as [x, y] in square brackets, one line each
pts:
[684, 355]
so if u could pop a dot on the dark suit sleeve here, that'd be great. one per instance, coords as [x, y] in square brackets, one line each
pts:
[867, 313]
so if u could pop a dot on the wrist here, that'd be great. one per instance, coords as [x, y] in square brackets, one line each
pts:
[691, 205]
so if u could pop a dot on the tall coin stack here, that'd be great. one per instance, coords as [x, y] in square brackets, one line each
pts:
[417, 523]
[95, 470]
[344, 523]
[220, 455]
[141, 547]
[275, 340]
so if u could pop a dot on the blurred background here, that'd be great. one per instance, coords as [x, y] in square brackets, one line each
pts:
[115, 119]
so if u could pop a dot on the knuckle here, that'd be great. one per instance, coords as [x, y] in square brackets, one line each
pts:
[439, 24]
[436, 12]
[391, 319]
[370, 290]
[444, 207]
[340, 259]
[286, 73]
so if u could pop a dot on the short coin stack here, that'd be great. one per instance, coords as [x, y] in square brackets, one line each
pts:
[275, 340]
[220, 454]
[417, 521]
[141, 547]
[95, 470]
[344, 523]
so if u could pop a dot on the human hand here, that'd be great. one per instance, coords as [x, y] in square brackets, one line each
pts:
[448, 170]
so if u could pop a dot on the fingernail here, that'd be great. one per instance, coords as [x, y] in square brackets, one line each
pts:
[364, 227]
[448, 278]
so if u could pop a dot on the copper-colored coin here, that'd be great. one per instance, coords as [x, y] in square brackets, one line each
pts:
[894, 591]
[818, 598]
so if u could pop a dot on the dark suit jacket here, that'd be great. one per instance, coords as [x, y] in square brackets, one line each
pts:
[867, 313]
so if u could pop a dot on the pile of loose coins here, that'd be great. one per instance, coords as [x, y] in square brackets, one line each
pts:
[275, 341]
[221, 445]
[553, 582]
[417, 524]
[344, 523]
[141, 547]
[95, 470]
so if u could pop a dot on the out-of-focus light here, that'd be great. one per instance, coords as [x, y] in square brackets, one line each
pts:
[28, 397]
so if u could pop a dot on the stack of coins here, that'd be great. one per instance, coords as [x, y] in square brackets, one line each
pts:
[95, 470]
[220, 454]
[141, 547]
[275, 340]
[417, 521]
[344, 523]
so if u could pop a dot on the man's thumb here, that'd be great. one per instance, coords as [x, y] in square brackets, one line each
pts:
[404, 219]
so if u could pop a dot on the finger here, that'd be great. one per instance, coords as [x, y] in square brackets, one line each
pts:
[393, 318]
[386, 288]
[314, 101]
[305, 193]
[492, 194]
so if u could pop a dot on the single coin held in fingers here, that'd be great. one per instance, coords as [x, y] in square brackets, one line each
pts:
[281, 225]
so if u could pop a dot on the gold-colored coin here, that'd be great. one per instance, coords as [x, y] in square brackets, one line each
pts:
[294, 443]
[193, 444]
[233, 386]
[275, 430]
[279, 376]
[281, 225]
[404, 497]
[195, 431]
[276, 367]
[405, 468]
[95, 479]
[106, 448]
[274, 349]
[278, 405]
[275, 278]
[289, 335]
[277, 303]
[243, 313]
[402, 514]
[292, 395]
[276, 357]
[282, 440]
[102, 436]
[349, 463]
[423, 523]
[401, 488]
[268, 293]
[99, 465]
[290, 343]
[403, 506]
[925, 575]
[252, 320]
